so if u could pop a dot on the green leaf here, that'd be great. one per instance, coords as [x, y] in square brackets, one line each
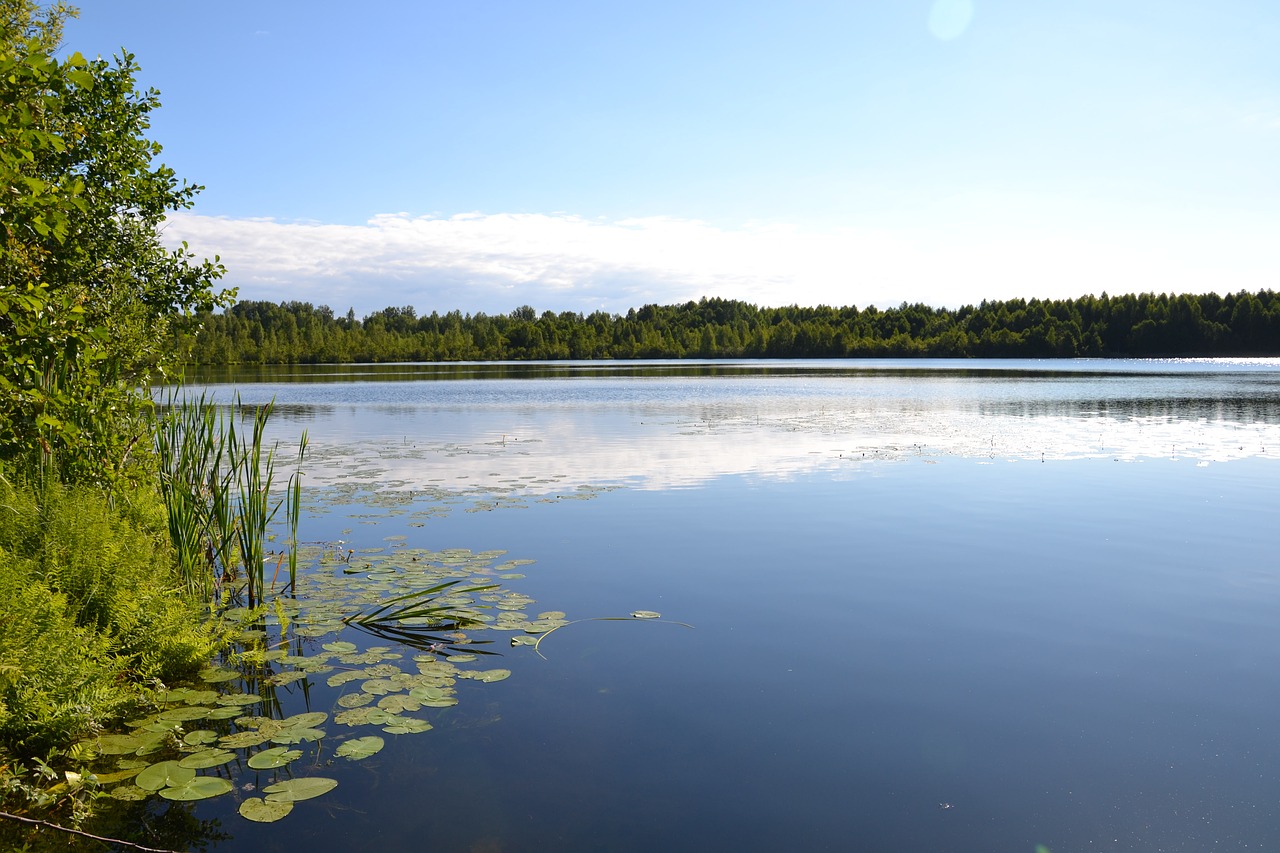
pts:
[165, 774]
[296, 735]
[293, 790]
[491, 675]
[276, 756]
[305, 721]
[199, 788]
[265, 811]
[207, 758]
[361, 747]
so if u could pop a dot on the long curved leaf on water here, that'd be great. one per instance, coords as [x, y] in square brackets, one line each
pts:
[405, 611]
[631, 618]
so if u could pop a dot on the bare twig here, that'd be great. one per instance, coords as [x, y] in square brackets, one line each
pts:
[45, 824]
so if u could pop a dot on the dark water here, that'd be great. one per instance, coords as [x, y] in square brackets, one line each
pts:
[936, 606]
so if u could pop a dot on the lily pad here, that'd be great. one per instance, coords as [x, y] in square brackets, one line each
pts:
[341, 647]
[120, 744]
[241, 740]
[276, 756]
[491, 675]
[265, 811]
[305, 721]
[343, 677]
[215, 674]
[199, 788]
[165, 774]
[361, 747]
[396, 704]
[184, 715]
[224, 712]
[239, 699]
[355, 700]
[294, 790]
[207, 758]
[280, 679]
[407, 726]
[297, 735]
[200, 737]
[117, 776]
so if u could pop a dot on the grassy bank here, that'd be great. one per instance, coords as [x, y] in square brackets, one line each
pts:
[92, 617]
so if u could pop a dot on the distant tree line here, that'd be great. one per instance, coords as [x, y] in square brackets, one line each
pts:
[1144, 324]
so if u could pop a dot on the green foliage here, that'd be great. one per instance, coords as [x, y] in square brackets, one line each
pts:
[87, 289]
[1142, 325]
[87, 605]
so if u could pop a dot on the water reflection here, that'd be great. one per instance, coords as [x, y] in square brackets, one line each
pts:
[542, 427]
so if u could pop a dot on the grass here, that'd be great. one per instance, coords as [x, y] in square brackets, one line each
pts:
[88, 609]
[216, 480]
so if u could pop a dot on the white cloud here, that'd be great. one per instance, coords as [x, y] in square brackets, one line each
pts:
[496, 262]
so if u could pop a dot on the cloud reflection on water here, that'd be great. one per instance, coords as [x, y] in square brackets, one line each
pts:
[664, 431]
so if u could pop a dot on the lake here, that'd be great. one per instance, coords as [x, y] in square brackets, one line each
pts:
[905, 606]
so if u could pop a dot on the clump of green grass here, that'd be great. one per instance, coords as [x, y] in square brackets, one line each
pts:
[216, 480]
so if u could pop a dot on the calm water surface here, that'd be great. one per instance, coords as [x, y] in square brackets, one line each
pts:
[937, 606]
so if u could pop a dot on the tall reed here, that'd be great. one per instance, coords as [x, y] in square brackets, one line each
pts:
[216, 482]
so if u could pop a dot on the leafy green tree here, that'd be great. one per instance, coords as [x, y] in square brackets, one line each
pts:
[87, 289]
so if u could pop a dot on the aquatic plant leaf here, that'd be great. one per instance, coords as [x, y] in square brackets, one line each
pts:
[294, 790]
[190, 696]
[200, 737]
[380, 686]
[382, 670]
[309, 720]
[354, 717]
[215, 674]
[407, 726]
[225, 712]
[262, 811]
[297, 735]
[184, 715]
[199, 788]
[429, 693]
[120, 744]
[207, 758]
[165, 774]
[361, 747]
[491, 675]
[379, 716]
[343, 677]
[243, 740]
[276, 756]
[396, 704]
[280, 679]
[239, 699]
[118, 776]
[355, 700]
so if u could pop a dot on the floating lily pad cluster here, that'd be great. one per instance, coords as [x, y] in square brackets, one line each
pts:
[206, 738]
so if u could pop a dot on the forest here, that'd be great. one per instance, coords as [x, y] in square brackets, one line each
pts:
[1141, 325]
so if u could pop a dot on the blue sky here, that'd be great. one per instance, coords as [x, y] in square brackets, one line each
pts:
[481, 155]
